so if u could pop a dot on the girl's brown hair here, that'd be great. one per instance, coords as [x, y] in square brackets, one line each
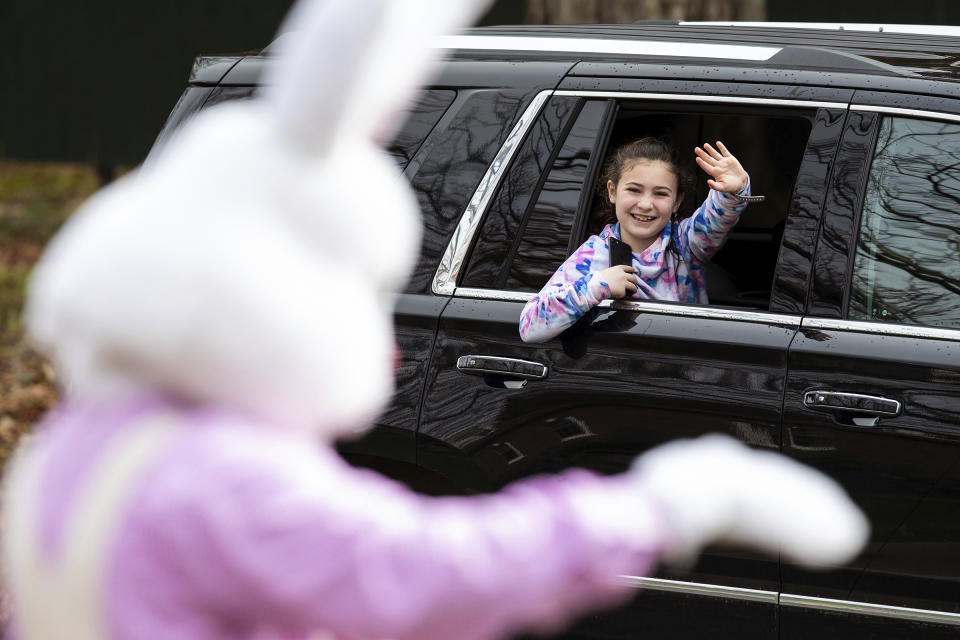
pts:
[621, 158]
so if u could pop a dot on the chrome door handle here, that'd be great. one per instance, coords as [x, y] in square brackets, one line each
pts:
[854, 403]
[506, 367]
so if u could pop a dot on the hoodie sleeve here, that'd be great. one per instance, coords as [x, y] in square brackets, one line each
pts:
[574, 289]
[703, 233]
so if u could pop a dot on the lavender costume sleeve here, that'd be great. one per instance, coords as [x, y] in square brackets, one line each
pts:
[573, 290]
[321, 545]
[704, 233]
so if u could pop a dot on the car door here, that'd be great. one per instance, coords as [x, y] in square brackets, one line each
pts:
[451, 134]
[873, 392]
[633, 374]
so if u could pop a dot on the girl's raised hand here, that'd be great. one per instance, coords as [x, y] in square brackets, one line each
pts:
[724, 169]
[621, 278]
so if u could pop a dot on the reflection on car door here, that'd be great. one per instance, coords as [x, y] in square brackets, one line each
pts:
[627, 378]
[872, 394]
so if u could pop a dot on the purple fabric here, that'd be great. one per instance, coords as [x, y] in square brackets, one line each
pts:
[245, 530]
[575, 288]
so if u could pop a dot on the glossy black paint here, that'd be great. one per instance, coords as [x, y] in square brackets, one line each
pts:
[733, 74]
[941, 103]
[903, 471]
[618, 385]
[805, 623]
[415, 320]
[803, 217]
[659, 614]
[191, 101]
[830, 286]
[210, 70]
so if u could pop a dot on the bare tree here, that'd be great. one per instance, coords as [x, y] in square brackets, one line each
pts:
[626, 11]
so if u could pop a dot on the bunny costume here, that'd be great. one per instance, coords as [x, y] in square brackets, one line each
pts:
[575, 288]
[186, 487]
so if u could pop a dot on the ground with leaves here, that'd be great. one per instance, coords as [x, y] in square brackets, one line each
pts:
[35, 199]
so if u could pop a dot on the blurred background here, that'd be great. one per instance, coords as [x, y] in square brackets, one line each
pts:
[86, 87]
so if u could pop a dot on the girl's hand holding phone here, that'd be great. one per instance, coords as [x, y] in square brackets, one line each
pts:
[622, 280]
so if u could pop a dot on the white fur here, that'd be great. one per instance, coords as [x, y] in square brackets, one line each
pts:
[716, 489]
[254, 261]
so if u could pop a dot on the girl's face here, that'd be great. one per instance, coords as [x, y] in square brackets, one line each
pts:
[645, 198]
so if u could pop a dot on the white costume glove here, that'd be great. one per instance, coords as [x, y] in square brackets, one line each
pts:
[714, 489]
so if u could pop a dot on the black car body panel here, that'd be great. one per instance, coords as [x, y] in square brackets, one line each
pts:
[831, 335]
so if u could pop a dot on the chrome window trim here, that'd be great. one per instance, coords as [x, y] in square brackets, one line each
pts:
[707, 313]
[881, 328]
[912, 113]
[679, 97]
[492, 294]
[791, 600]
[615, 46]
[699, 588]
[868, 609]
[444, 281]
[661, 308]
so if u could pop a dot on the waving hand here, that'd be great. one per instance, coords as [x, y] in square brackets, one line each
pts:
[724, 169]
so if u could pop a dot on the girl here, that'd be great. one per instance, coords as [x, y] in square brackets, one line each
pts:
[645, 186]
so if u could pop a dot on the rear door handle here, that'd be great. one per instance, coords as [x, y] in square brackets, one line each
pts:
[509, 368]
[855, 405]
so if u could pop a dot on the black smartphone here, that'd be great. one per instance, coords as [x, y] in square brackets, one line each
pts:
[620, 252]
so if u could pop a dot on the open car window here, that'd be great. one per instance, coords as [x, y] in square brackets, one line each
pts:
[549, 203]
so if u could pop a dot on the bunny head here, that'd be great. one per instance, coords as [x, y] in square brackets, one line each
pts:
[254, 261]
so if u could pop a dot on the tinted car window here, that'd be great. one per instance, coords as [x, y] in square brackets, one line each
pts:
[422, 118]
[770, 145]
[907, 265]
[542, 241]
[501, 225]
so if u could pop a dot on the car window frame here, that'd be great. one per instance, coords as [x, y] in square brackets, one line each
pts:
[454, 258]
[815, 319]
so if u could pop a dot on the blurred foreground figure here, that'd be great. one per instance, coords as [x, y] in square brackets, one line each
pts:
[187, 488]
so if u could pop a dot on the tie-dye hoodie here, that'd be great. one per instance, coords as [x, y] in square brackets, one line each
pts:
[576, 288]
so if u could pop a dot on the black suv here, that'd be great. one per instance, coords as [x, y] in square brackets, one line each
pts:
[833, 329]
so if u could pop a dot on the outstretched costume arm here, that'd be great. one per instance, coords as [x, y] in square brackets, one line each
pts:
[322, 545]
[316, 544]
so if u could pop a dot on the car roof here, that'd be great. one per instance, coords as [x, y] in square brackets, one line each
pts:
[928, 51]
[906, 59]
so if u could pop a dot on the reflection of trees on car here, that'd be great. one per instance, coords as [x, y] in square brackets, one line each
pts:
[908, 267]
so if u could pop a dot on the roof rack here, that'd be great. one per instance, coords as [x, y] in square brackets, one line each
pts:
[815, 58]
[820, 59]
[885, 52]
[921, 29]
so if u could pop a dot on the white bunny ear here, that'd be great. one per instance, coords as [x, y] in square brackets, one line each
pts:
[348, 67]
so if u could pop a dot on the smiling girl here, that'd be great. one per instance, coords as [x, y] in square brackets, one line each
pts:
[645, 186]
